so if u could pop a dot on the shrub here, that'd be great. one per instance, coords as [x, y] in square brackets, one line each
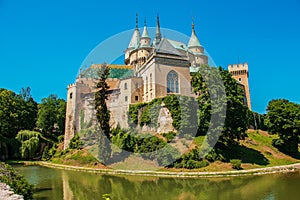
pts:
[214, 155]
[169, 136]
[17, 182]
[236, 163]
[75, 142]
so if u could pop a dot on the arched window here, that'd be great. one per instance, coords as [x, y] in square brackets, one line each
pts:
[125, 86]
[172, 82]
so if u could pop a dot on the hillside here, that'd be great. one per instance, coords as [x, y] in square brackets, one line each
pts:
[256, 151]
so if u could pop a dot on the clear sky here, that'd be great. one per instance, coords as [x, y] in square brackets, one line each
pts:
[43, 43]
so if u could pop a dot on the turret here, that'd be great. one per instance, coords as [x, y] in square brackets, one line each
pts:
[145, 39]
[134, 42]
[197, 57]
[194, 43]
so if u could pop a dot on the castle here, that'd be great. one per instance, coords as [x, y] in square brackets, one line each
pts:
[152, 70]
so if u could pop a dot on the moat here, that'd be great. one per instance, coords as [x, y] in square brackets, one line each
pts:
[63, 184]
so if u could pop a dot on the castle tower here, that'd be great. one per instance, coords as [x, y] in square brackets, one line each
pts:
[241, 74]
[198, 51]
[134, 42]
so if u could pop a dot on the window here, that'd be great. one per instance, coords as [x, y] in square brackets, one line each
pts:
[150, 82]
[125, 86]
[240, 79]
[136, 98]
[136, 85]
[126, 98]
[172, 82]
[71, 95]
[146, 84]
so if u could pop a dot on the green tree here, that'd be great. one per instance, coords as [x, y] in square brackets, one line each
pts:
[102, 113]
[208, 88]
[51, 117]
[17, 112]
[283, 118]
[30, 143]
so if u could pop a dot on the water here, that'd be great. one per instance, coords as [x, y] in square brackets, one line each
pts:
[68, 185]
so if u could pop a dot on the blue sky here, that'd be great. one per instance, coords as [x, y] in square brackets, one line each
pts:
[43, 43]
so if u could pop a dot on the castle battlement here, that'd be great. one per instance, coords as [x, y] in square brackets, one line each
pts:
[237, 67]
[71, 85]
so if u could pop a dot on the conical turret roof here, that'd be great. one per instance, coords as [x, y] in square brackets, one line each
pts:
[135, 39]
[145, 31]
[194, 41]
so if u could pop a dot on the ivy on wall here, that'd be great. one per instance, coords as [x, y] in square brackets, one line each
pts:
[183, 111]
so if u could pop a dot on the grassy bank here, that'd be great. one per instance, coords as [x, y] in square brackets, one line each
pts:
[255, 152]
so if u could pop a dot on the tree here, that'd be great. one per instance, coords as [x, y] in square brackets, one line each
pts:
[210, 89]
[102, 113]
[51, 117]
[17, 112]
[283, 118]
[30, 143]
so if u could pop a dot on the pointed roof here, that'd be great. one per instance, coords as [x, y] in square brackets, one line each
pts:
[194, 41]
[145, 31]
[167, 48]
[135, 39]
[157, 39]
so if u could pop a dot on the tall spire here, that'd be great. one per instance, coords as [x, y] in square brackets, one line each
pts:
[194, 41]
[158, 33]
[136, 21]
[135, 39]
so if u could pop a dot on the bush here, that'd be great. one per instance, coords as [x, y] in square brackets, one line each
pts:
[169, 136]
[17, 182]
[214, 155]
[75, 142]
[236, 163]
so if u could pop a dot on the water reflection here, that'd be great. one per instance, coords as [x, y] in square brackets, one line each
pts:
[69, 185]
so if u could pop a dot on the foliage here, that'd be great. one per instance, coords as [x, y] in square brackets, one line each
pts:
[236, 122]
[29, 143]
[75, 142]
[214, 155]
[236, 163]
[182, 111]
[49, 153]
[283, 119]
[17, 112]
[257, 121]
[51, 117]
[167, 156]
[191, 160]
[169, 136]
[17, 182]
[149, 146]
[102, 112]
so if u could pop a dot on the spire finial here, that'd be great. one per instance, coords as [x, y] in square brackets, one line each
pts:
[145, 23]
[137, 21]
[193, 24]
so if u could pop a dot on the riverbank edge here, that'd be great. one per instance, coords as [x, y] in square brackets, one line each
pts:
[256, 171]
[7, 193]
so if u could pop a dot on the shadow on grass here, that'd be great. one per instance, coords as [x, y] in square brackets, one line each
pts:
[245, 154]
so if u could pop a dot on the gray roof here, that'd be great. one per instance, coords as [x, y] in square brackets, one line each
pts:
[166, 47]
[135, 40]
